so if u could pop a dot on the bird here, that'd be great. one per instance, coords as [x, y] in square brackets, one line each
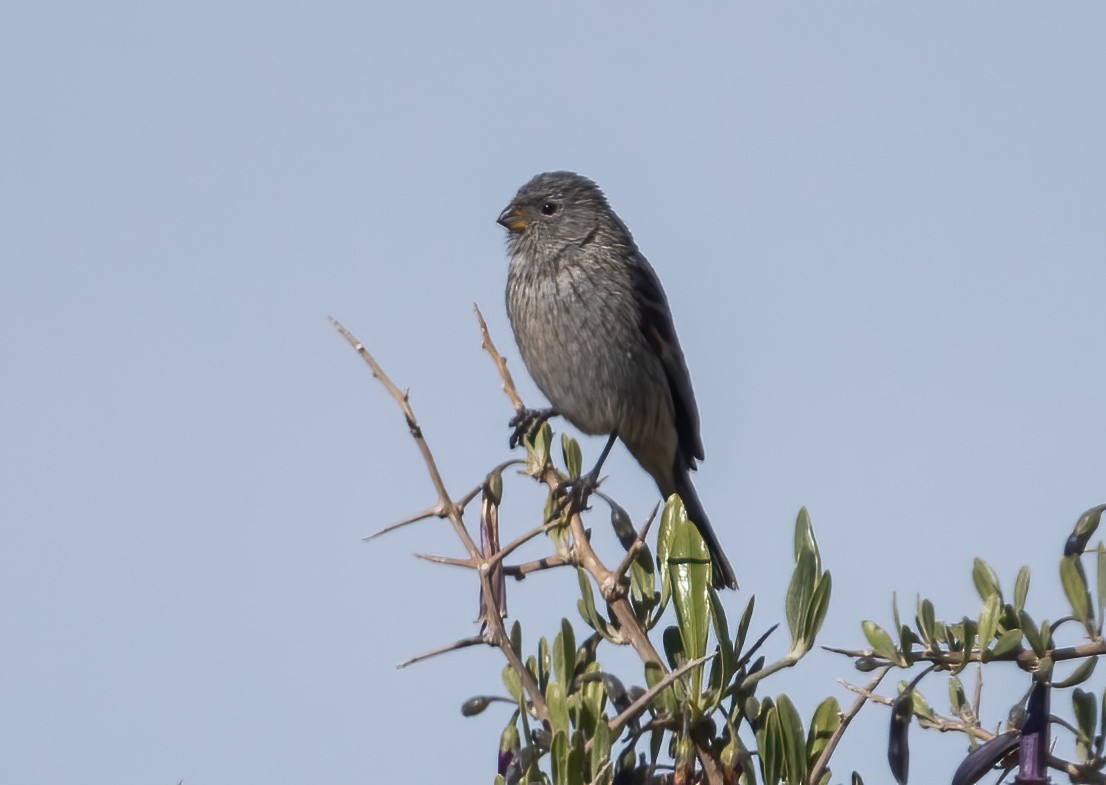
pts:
[595, 332]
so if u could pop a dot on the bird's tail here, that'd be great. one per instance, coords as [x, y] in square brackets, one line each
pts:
[723, 572]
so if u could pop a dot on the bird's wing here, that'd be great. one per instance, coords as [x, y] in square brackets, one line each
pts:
[656, 325]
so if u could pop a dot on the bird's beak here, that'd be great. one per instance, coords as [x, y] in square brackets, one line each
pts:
[513, 219]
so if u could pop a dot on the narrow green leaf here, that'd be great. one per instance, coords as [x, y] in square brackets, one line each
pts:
[792, 739]
[970, 630]
[558, 707]
[689, 572]
[819, 606]
[1021, 589]
[558, 758]
[1074, 582]
[600, 748]
[822, 725]
[1010, 640]
[669, 517]
[743, 626]
[673, 643]
[985, 579]
[770, 747]
[880, 641]
[1084, 705]
[799, 591]
[586, 606]
[545, 660]
[573, 458]
[1101, 585]
[513, 683]
[957, 699]
[564, 653]
[1079, 675]
[804, 538]
[1032, 635]
[988, 620]
[926, 622]
[516, 638]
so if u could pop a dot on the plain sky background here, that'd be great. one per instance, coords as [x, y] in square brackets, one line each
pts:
[881, 229]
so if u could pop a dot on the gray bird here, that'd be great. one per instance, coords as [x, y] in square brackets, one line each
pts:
[595, 331]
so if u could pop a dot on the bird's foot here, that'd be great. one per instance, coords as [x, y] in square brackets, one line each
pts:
[572, 495]
[526, 423]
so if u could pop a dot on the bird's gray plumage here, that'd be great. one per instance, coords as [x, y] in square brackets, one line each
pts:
[595, 331]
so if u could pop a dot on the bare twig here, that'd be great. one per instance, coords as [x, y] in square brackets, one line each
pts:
[819, 768]
[500, 363]
[495, 632]
[646, 697]
[639, 541]
[453, 562]
[430, 512]
[520, 571]
[522, 539]
[476, 640]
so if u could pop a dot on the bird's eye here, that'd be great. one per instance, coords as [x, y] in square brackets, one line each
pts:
[549, 208]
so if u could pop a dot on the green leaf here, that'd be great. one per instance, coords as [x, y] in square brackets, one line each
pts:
[545, 660]
[722, 667]
[970, 630]
[792, 739]
[1032, 635]
[689, 572]
[881, 642]
[957, 699]
[557, 704]
[926, 622]
[1010, 640]
[516, 638]
[819, 606]
[673, 643]
[1021, 589]
[1075, 587]
[985, 580]
[822, 725]
[669, 517]
[988, 620]
[743, 626]
[1084, 706]
[559, 758]
[804, 538]
[665, 700]
[799, 593]
[586, 606]
[600, 748]
[564, 653]
[1079, 675]
[1101, 585]
[770, 746]
[513, 684]
[573, 458]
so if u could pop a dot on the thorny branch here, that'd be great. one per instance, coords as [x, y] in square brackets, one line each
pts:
[494, 630]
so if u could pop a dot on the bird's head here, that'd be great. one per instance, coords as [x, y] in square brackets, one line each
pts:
[552, 209]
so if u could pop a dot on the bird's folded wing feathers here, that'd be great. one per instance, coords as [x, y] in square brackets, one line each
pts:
[656, 325]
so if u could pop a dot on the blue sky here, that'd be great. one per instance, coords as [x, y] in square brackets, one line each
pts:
[881, 233]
